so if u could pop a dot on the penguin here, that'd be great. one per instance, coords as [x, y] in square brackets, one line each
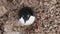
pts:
[26, 16]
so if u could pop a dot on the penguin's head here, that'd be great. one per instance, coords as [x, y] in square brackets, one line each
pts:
[26, 16]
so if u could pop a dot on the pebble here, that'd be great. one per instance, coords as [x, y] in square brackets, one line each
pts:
[3, 10]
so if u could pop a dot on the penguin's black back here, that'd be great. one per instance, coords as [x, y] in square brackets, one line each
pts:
[24, 12]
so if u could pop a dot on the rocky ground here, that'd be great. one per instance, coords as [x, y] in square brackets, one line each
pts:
[47, 14]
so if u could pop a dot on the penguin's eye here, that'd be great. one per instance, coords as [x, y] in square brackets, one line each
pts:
[23, 16]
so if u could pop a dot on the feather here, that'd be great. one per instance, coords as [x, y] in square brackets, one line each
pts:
[28, 22]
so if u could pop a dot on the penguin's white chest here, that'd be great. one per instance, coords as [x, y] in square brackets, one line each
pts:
[28, 22]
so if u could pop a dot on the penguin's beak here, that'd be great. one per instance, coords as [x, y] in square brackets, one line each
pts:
[28, 22]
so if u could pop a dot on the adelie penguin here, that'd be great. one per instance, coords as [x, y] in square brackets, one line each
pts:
[26, 16]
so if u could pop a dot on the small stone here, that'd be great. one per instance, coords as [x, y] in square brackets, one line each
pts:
[56, 20]
[50, 27]
[3, 10]
[12, 32]
[55, 25]
[53, 1]
[46, 4]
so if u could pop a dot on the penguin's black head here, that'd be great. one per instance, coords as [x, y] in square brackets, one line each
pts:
[26, 12]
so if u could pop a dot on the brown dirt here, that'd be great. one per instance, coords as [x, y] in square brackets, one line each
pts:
[47, 17]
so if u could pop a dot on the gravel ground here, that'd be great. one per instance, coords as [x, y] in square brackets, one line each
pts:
[47, 17]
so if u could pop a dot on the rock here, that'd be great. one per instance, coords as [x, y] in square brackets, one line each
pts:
[3, 10]
[12, 33]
